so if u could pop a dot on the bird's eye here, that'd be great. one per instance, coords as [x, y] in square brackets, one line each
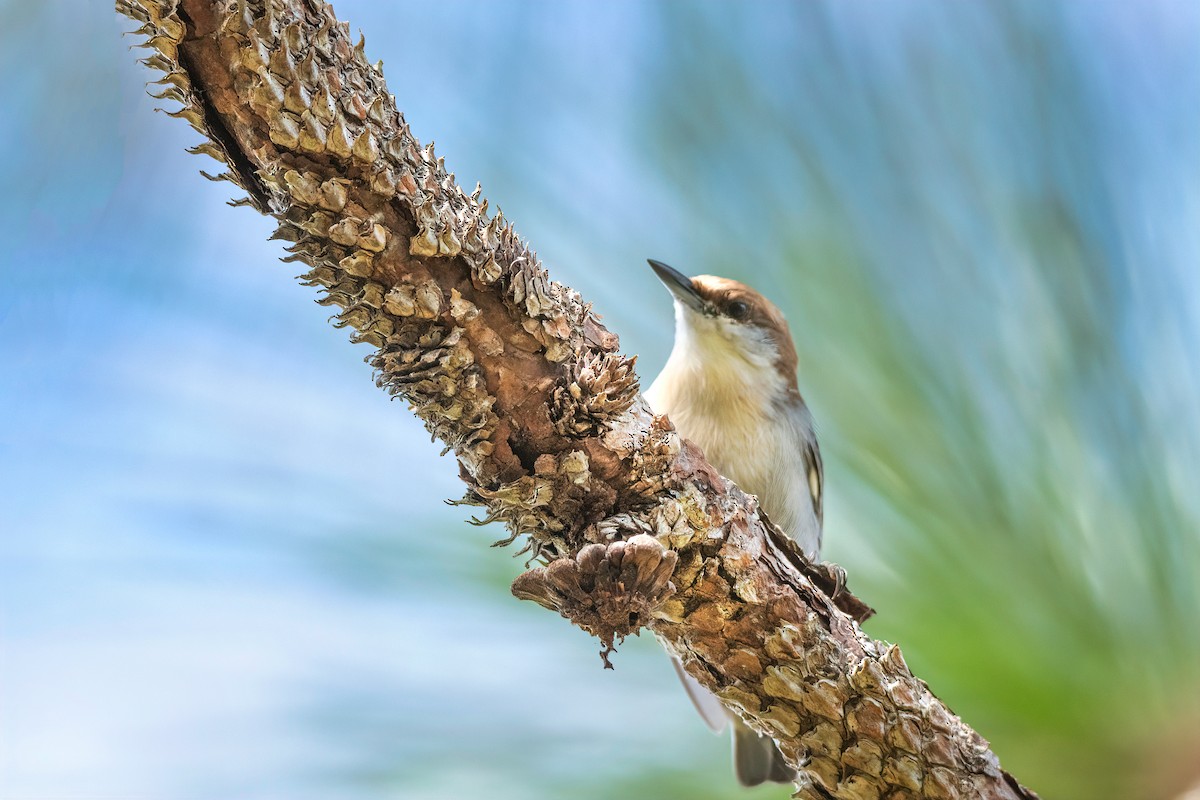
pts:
[737, 310]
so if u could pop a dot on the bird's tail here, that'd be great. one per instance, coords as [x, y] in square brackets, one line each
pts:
[756, 758]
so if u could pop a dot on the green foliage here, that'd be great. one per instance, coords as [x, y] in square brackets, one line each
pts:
[937, 217]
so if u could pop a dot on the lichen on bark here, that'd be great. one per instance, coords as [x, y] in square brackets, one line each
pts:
[519, 379]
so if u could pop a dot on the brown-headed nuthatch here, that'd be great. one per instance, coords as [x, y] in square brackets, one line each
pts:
[729, 385]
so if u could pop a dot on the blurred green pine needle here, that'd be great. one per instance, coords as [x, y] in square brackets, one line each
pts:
[992, 352]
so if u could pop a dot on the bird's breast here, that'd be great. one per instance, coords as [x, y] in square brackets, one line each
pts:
[751, 439]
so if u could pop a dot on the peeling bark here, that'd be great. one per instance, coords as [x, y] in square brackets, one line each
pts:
[519, 379]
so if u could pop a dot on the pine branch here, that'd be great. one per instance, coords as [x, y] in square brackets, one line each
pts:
[520, 380]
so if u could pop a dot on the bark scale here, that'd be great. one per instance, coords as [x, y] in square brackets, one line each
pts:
[519, 379]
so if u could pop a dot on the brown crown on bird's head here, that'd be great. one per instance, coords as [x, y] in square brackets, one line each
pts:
[716, 297]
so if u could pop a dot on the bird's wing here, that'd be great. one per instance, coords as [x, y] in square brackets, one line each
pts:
[814, 470]
[714, 714]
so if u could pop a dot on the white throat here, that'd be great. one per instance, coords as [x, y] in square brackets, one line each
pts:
[722, 389]
[721, 366]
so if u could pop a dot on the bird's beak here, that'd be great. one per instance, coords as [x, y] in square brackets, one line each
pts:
[679, 285]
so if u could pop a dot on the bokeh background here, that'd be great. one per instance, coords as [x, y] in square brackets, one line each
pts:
[225, 567]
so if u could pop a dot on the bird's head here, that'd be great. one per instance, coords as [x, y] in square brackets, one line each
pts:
[727, 325]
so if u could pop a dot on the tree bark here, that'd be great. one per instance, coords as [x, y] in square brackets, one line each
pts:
[520, 380]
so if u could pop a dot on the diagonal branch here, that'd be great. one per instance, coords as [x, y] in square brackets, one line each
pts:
[520, 380]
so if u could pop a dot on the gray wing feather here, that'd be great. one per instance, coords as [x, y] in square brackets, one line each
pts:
[756, 758]
[815, 474]
[711, 710]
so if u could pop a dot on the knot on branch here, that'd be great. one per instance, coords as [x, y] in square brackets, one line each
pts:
[546, 506]
[520, 505]
[608, 590]
[656, 464]
[593, 392]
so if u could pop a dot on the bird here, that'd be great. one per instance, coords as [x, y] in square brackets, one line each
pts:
[729, 385]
